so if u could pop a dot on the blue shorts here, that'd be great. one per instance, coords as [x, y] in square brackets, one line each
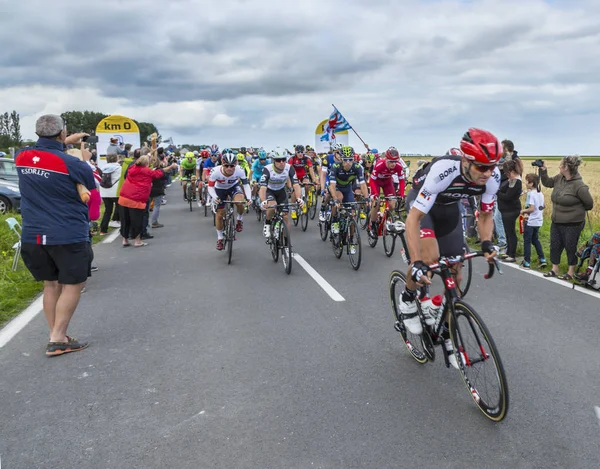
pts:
[347, 192]
[224, 194]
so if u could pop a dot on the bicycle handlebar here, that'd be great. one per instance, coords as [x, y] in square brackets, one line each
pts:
[449, 261]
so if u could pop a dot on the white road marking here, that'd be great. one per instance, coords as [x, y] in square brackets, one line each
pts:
[324, 284]
[597, 409]
[563, 283]
[18, 323]
[111, 237]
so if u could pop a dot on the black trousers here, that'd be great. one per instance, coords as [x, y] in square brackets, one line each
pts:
[131, 222]
[564, 236]
[508, 220]
[111, 205]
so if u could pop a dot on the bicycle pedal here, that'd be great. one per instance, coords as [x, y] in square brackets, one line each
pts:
[397, 326]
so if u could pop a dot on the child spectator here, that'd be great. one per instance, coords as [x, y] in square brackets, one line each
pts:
[534, 219]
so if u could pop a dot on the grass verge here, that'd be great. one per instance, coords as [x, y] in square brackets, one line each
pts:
[17, 288]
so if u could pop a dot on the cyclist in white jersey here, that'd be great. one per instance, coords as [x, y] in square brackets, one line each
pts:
[224, 182]
[276, 177]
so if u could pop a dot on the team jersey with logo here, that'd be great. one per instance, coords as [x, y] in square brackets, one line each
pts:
[344, 177]
[275, 181]
[187, 164]
[210, 164]
[300, 164]
[380, 174]
[53, 212]
[441, 182]
[217, 180]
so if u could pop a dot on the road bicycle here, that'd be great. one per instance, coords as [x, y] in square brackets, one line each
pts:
[388, 225]
[190, 190]
[477, 356]
[309, 206]
[347, 234]
[205, 197]
[229, 225]
[279, 240]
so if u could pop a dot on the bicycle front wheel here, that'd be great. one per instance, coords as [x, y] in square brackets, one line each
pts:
[312, 205]
[354, 247]
[303, 218]
[467, 274]
[190, 195]
[414, 343]
[323, 230]
[479, 362]
[230, 238]
[286, 248]
[389, 241]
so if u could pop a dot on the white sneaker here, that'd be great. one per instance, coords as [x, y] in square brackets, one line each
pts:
[267, 230]
[114, 224]
[412, 323]
[450, 352]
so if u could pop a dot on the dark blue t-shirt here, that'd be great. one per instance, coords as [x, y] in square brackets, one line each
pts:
[53, 212]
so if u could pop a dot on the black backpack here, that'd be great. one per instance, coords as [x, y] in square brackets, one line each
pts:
[106, 181]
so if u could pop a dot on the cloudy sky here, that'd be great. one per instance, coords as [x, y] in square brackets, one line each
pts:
[409, 73]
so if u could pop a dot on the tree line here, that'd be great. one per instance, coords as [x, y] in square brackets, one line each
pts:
[77, 121]
[10, 131]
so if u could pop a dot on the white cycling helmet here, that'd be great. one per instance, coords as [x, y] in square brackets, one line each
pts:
[228, 158]
[337, 147]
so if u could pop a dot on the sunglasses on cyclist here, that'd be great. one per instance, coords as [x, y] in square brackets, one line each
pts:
[347, 160]
[483, 168]
[229, 165]
[278, 160]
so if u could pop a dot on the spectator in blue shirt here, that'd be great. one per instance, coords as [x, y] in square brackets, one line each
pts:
[55, 240]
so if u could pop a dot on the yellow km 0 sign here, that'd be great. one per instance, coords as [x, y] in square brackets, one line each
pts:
[112, 124]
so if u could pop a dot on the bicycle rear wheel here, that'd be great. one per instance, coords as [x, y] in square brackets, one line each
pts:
[479, 362]
[274, 246]
[286, 248]
[354, 243]
[414, 343]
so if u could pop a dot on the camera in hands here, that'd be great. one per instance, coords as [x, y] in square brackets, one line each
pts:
[538, 163]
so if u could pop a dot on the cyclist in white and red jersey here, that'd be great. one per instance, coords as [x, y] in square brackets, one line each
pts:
[433, 224]
[381, 178]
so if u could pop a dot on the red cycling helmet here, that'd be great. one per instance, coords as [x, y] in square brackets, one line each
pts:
[392, 154]
[205, 153]
[481, 146]
[455, 152]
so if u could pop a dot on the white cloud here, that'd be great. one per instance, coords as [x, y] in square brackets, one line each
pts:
[410, 73]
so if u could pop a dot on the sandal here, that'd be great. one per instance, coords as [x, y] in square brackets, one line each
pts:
[59, 348]
[126, 245]
[140, 245]
[566, 277]
[550, 273]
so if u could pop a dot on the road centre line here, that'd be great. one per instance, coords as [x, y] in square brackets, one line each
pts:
[324, 284]
[597, 409]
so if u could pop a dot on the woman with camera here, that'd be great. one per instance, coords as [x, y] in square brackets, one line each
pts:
[571, 198]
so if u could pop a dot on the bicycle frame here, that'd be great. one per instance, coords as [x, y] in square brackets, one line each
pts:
[443, 268]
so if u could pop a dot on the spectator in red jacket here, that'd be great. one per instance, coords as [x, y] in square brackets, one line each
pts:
[134, 196]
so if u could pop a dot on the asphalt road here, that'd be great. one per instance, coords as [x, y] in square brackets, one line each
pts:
[194, 363]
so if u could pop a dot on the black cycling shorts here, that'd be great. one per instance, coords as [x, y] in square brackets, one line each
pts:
[446, 222]
[70, 264]
[280, 197]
